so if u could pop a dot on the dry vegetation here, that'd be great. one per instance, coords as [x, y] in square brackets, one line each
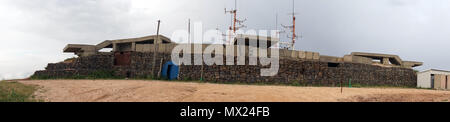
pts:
[11, 91]
[167, 91]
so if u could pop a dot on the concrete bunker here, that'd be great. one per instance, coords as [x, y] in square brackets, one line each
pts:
[151, 55]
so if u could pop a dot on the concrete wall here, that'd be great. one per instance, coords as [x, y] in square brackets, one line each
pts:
[438, 81]
[124, 47]
[289, 54]
[297, 55]
[448, 82]
[308, 72]
[330, 59]
[357, 59]
[441, 82]
[424, 80]
[87, 51]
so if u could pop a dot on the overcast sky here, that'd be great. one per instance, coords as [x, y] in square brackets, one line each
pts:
[34, 32]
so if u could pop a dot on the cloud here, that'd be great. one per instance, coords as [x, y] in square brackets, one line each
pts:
[34, 32]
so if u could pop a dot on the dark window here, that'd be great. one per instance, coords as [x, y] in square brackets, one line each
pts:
[247, 41]
[333, 64]
[432, 80]
[146, 42]
[165, 42]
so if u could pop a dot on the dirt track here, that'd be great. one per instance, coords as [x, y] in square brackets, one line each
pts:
[165, 91]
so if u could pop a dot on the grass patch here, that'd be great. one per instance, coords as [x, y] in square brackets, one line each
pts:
[17, 92]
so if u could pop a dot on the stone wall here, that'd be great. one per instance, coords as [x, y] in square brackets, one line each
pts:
[291, 71]
[141, 66]
[306, 72]
[81, 66]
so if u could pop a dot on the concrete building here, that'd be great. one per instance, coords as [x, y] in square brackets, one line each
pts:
[433, 78]
[150, 56]
[165, 45]
[142, 44]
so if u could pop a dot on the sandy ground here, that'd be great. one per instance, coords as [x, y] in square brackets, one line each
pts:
[166, 91]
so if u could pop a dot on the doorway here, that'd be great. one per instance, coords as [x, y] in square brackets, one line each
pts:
[446, 82]
[122, 58]
[170, 71]
[432, 81]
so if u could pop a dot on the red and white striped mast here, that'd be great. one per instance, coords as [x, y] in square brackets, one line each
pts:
[235, 21]
[292, 28]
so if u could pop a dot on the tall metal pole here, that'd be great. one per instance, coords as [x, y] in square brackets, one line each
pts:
[189, 31]
[235, 19]
[276, 28]
[155, 45]
[293, 28]
[234, 22]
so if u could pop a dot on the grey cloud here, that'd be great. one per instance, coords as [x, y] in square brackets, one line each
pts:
[37, 30]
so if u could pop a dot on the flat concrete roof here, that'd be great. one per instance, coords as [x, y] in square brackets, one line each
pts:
[75, 47]
[164, 38]
[438, 70]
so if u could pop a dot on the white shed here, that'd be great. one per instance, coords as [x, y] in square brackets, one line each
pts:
[433, 78]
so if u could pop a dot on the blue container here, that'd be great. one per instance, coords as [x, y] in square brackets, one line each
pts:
[170, 71]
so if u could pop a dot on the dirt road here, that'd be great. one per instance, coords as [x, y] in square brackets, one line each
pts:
[166, 91]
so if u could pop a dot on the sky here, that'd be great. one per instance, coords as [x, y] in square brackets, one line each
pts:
[34, 32]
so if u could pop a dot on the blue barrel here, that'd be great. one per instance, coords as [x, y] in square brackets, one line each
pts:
[170, 71]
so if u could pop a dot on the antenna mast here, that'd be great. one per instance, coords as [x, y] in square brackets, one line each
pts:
[292, 27]
[236, 21]
[294, 36]
[189, 31]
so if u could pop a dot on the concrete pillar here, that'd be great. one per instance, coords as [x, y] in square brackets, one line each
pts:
[294, 54]
[114, 47]
[348, 58]
[133, 46]
[302, 54]
[439, 81]
[385, 61]
[309, 55]
[316, 56]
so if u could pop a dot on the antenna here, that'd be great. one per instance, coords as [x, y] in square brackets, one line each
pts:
[235, 22]
[220, 33]
[292, 27]
[276, 29]
[276, 21]
[189, 31]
